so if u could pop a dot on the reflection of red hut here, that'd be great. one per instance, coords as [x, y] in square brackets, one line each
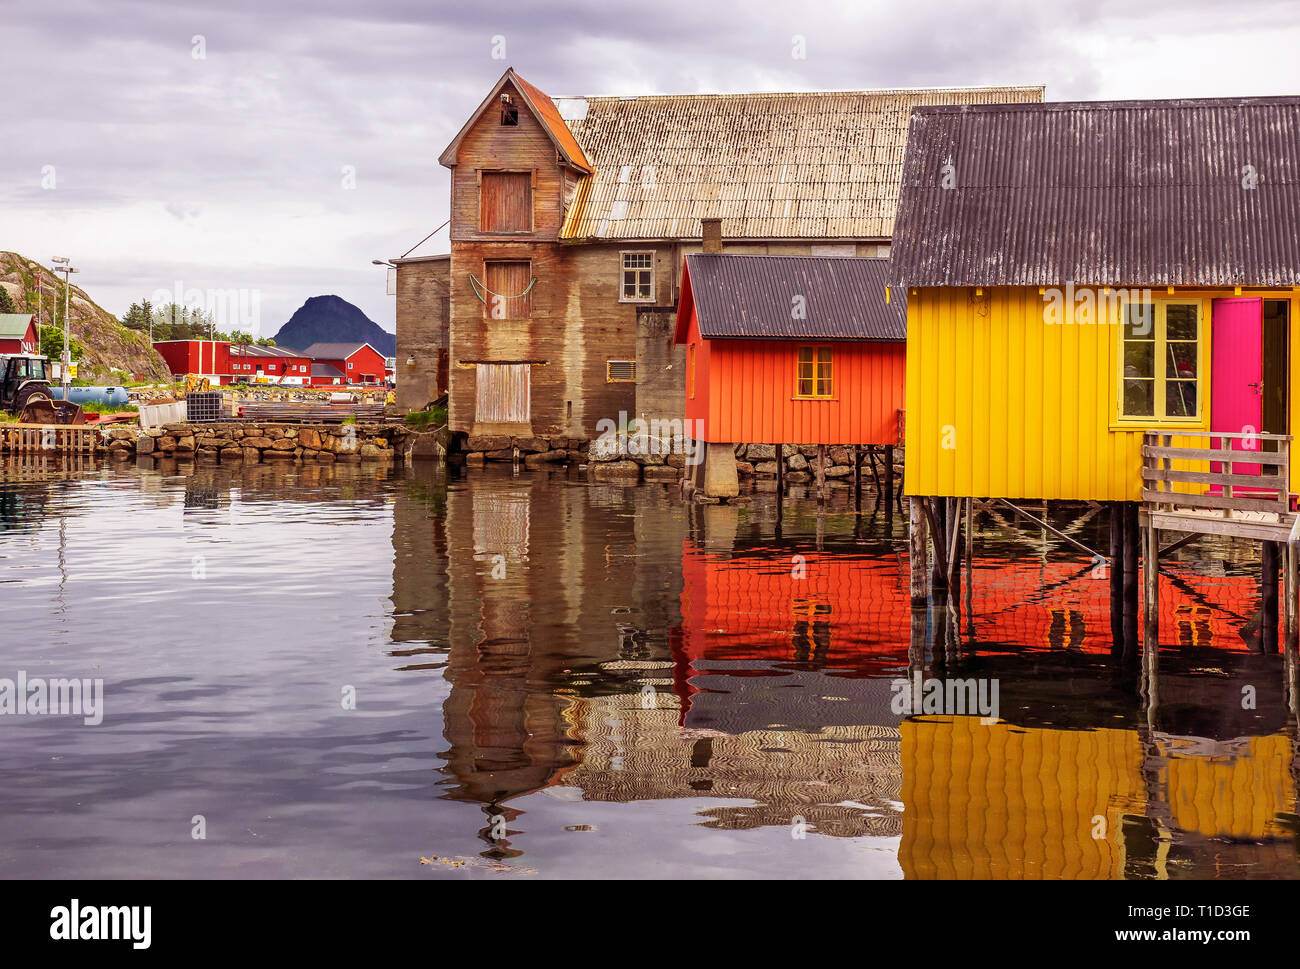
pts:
[830, 610]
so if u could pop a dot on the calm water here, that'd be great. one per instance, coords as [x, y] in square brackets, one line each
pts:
[560, 679]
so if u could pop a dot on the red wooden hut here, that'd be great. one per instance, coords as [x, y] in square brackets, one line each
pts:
[791, 349]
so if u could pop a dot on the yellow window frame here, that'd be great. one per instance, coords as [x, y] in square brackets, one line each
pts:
[823, 386]
[1120, 420]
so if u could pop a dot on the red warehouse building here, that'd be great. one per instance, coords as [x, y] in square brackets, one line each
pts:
[358, 363]
[277, 365]
[792, 349]
[205, 358]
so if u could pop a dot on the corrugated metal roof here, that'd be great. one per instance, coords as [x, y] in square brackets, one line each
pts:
[325, 370]
[13, 326]
[793, 298]
[808, 165]
[334, 351]
[240, 350]
[1122, 193]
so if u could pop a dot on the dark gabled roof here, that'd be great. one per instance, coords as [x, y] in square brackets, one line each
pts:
[325, 370]
[1102, 193]
[760, 298]
[335, 351]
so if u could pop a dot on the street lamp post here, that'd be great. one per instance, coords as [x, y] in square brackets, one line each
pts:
[62, 265]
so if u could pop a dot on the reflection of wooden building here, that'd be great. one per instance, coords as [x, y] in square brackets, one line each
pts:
[842, 780]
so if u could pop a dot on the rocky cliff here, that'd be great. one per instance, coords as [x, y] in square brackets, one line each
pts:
[108, 344]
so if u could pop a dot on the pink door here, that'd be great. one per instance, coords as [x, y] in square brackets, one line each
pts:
[1236, 396]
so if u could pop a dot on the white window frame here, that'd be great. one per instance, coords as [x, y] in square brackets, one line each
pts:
[622, 268]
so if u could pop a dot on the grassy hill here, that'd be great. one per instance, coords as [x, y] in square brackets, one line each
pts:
[113, 353]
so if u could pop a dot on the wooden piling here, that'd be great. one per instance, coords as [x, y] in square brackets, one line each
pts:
[1151, 576]
[857, 477]
[1117, 576]
[1268, 564]
[917, 527]
[821, 473]
[1131, 542]
[938, 508]
[889, 477]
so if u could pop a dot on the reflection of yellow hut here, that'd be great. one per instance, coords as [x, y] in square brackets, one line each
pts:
[1235, 790]
[1001, 801]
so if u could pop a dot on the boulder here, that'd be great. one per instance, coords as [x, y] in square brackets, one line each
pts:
[797, 462]
[488, 442]
[144, 444]
[745, 469]
[660, 472]
[839, 471]
[252, 455]
[532, 445]
[841, 455]
[309, 437]
[798, 477]
[765, 467]
[761, 452]
[611, 470]
[474, 459]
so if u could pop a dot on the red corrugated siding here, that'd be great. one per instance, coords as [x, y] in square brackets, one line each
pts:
[751, 385]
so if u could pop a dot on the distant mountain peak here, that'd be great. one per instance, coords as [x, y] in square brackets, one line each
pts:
[332, 319]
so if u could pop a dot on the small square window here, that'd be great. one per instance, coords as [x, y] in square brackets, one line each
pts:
[638, 282]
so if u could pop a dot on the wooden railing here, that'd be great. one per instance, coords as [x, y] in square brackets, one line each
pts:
[1223, 486]
[49, 438]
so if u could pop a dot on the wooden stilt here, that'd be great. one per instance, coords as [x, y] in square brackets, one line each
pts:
[857, 477]
[937, 508]
[821, 473]
[917, 526]
[1117, 577]
[1268, 561]
[889, 478]
[1151, 577]
[1131, 575]
[780, 486]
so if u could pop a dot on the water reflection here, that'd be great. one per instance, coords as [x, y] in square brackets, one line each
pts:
[594, 679]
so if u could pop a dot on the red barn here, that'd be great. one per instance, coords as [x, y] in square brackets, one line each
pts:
[206, 358]
[18, 333]
[791, 349]
[277, 365]
[359, 363]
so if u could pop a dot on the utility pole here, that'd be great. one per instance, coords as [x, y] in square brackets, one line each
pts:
[62, 265]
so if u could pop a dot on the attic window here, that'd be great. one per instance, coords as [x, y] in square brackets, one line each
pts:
[509, 112]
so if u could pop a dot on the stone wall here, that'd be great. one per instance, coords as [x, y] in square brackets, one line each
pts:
[251, 441]
[752, 461]
[533, 452]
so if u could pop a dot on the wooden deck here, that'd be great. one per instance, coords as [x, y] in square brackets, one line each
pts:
[1235, 485]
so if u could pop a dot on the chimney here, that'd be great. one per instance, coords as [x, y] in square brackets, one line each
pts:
[711, 231]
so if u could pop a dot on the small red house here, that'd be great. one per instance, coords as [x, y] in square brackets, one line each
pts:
[791, 349]
[18, 333]
[277, 365]
[359, 363]
[206, 358]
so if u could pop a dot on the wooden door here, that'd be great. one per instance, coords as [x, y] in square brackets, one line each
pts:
[1236, 393]
[503, 393]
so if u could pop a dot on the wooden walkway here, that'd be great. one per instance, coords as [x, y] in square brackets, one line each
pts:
[50, 438]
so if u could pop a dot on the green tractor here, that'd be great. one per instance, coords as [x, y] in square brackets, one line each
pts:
[25, 392]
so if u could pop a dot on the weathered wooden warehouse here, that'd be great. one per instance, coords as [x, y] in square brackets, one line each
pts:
[570, 218]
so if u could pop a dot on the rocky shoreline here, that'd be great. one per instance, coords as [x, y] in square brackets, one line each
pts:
[254, 441]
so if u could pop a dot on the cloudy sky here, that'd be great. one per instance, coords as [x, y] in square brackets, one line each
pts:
[279, 147]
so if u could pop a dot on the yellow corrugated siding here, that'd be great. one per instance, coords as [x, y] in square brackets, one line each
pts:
[1028, 402]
